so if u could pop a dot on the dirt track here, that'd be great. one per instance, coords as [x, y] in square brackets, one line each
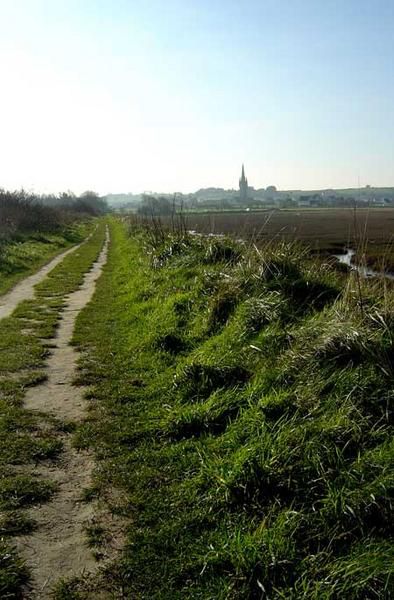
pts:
[24, 290]
[57, 548]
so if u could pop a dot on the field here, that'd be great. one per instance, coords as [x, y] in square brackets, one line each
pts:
[323, 230]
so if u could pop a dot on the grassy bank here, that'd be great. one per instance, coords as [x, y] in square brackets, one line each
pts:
[27, 439]
[24, 254]
[242, 411]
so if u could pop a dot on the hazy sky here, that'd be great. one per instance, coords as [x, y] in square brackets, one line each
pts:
[166, 95]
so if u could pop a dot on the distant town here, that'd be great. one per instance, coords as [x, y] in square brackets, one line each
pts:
[247, 197]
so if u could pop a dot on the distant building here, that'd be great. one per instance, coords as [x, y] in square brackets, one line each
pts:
[304, 202]
[243, 187]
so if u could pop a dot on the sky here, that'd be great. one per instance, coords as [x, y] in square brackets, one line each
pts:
[174, 95]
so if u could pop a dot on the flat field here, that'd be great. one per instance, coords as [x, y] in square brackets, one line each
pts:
[324, 229]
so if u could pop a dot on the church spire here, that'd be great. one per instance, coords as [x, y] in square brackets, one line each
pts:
[243, 186]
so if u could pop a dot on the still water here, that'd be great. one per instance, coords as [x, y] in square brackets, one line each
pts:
[364, 271]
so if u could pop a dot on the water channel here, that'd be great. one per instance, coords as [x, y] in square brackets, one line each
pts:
[346, 259]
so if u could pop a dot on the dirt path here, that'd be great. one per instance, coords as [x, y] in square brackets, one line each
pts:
[24, 290]
[57, 547]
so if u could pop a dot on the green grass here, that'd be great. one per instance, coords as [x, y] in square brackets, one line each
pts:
[27, 438]
[242, 403]
[25, 254]
[13, 573]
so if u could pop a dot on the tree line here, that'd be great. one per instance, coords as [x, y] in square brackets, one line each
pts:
[23, 212]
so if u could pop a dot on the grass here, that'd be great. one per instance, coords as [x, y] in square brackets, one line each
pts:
[13, 573]
[242, 405]
[24, 254]
[28, 438]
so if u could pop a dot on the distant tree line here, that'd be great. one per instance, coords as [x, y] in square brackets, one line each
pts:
[156, 206]
[22, 212]
[88, 203]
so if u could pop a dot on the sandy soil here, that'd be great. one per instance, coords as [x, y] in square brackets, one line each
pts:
[57, 548]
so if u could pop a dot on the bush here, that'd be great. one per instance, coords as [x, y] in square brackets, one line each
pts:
[22, 213]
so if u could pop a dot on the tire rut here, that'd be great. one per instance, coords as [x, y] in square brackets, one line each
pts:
[57, 548]
[24, 290]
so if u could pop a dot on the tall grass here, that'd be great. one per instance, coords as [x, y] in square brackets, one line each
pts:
[242, 403]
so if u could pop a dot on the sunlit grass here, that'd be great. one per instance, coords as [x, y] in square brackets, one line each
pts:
[242, 403]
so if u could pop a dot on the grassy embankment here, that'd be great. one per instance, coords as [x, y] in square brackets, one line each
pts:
[26, 439]
[24, 254]
[242, 408]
